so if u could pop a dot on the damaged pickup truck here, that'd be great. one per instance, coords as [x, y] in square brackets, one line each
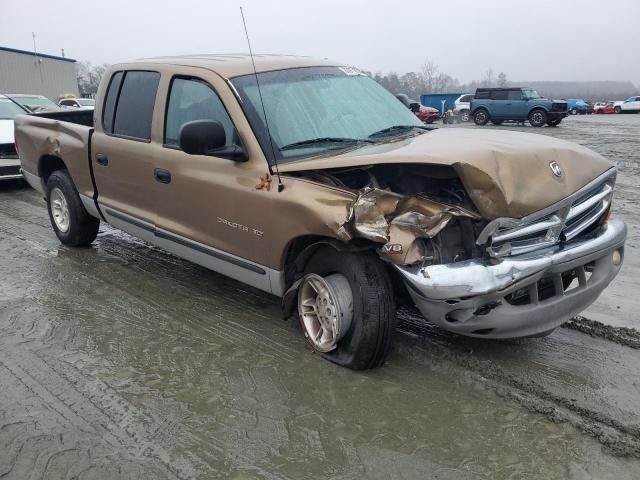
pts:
[308, 180]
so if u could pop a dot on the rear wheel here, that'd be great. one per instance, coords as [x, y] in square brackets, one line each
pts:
[465, 116]
[346, 308]
[481, 117]
[574, 111]
[70, 221]
[537, 118]
[617, 109]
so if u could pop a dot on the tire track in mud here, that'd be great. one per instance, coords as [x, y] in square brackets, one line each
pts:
[629, 337]
[86, 408]
[90, 407]
[617, 437]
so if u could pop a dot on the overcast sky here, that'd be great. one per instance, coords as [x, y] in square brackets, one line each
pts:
[528, 40]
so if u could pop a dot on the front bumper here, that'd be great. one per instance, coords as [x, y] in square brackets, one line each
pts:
[518, 296]
[10, 168]
[556, 115]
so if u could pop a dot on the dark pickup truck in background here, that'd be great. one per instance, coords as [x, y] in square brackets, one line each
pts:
[496, 105]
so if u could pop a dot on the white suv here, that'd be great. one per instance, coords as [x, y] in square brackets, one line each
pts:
[463, 107]
[630, 105]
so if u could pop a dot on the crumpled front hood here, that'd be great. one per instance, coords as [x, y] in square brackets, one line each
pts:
[506, 174]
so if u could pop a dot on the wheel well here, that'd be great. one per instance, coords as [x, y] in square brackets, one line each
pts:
[292, 259]
[49, 164]
[301, 249]
[535, 109]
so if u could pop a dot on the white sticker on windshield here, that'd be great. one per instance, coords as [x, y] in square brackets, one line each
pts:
[351, 71]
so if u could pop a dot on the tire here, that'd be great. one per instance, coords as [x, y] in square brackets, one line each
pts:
[367, 341]
[554, 123]
[66, 210]
[465, 116]
[574, 111]
[617, 109]
[537, 118]
[481, 117]
[497, 123]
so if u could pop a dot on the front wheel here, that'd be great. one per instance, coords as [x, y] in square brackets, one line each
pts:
[70, 221]
[574, 111]
[481, 117]
[537, 118]
[346, 308]
[465, 116]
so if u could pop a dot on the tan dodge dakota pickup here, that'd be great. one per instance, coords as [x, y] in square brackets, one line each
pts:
[308, 180]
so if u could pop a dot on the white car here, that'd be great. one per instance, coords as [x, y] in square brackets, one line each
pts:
[9, 161]
[81, 103]
[463, 107]
[630, 105]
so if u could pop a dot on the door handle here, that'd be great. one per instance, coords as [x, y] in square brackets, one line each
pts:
[102, 159]
[162, 175]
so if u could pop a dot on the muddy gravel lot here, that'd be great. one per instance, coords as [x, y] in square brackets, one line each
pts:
[121, 361]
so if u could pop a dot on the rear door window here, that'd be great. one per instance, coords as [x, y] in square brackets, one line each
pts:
[499, 95]
[110, 102]
[135, 105]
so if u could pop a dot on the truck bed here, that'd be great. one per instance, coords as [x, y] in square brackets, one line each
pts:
[65, 135]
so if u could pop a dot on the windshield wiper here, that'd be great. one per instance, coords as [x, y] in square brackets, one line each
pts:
[397, 129]
[316, 141]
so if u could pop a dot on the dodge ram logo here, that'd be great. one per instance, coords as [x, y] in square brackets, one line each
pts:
[556, 168]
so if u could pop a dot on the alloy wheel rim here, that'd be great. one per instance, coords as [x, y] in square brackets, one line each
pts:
[325, 307]
[60, 210]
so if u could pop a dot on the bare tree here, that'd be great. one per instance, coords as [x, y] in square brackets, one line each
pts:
[429, 74]
[488, 80]
[502, 80]
[89, 77]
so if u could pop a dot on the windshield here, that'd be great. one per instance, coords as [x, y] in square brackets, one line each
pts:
[35, 102]
[313, 110]
[9, 110]
[530, 93]
[86, 102]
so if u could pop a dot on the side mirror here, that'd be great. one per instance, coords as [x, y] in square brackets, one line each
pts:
[200, 137]
[207, 137]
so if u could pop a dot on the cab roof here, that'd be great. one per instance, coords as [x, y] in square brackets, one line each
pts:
[235, 64]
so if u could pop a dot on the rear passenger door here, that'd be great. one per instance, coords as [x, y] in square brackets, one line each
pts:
[121, 153]
[499, 107]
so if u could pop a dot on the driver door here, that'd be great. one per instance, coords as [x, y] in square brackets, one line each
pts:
[210, 210]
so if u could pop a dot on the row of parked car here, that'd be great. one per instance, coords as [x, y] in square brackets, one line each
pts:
[497, 105]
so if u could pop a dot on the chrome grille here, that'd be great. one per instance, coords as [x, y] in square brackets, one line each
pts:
[560, 222]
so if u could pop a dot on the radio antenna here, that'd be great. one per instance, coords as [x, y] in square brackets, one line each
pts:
[264, 112]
